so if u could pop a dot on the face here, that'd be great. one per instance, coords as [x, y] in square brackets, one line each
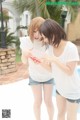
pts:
[36, 35]
[44, 39]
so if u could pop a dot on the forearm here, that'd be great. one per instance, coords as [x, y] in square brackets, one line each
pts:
[68, 68]
[24, 60]
[46, 66]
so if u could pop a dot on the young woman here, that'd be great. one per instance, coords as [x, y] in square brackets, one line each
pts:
[40, 78]
[64, 57]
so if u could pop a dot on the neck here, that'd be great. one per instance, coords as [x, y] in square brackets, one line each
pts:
[61, 44]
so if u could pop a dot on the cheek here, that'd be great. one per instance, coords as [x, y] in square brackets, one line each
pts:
[46, 40]
[36, 35]
[40, 38]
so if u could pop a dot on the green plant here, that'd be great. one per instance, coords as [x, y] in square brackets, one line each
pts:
[18, 57]
[39, 8]
[21, 27]
[10, 38]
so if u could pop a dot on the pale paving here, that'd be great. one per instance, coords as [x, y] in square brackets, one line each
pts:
[18, 97]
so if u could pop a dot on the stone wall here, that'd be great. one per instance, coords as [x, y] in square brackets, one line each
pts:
[7, 61]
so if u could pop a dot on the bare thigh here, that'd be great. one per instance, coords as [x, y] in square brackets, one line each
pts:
[72, 110]
[48, 91]
[61, 104]
[37, 92]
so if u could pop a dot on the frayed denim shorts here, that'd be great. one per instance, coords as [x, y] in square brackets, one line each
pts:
[33, 82]
[70, 100]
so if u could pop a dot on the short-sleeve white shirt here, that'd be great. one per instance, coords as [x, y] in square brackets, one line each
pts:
[36, 71]
[67, 85]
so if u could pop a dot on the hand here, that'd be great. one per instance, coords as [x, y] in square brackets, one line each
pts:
[48, 59]
[36, 60]
[27, 53]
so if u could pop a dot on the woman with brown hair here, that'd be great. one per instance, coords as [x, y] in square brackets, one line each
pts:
[63, 57]
[40, 76]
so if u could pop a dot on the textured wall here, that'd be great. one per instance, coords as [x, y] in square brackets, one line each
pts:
[7, 61]
[73, 31]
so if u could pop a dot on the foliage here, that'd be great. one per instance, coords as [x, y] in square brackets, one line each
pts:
[21, 27]
[36, 7]
[39, 8]
[10, 38]
[5, 17]
[18, 56]
[54, 12]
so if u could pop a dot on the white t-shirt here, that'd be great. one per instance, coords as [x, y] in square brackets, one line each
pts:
[25, 43]
[36, 71]
[67, 85]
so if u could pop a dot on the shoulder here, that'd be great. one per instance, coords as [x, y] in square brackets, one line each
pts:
[72, 51]
[25, 42]
[22, 39]
[71, 45]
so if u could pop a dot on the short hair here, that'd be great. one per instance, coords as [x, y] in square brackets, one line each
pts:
[53, 31]
[35, 24]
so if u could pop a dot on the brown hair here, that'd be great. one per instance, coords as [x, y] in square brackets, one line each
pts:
[35, 24]
[53, 31]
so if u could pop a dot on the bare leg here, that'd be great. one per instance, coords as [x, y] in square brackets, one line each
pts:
[37, 92]
[48, 88]
[61, 105]
[72, 111]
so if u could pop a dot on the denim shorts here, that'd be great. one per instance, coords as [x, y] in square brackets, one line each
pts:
[33, 82]
[71, 100]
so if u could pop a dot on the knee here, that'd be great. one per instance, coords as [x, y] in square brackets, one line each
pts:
[37, 102]
[48, 102]
[61, 113]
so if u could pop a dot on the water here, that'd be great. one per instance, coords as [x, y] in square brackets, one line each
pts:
[79, 75]
[78, 69]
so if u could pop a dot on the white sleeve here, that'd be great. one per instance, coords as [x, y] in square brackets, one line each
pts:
[25, 43]
[73, 54]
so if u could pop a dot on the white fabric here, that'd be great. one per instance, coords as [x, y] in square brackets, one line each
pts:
[67, 86]
[25, 43]
[36, 71]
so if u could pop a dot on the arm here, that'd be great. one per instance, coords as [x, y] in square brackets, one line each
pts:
[25, 55]
[68, 68]
[47, 66]
[25, 62]
[24, 58]
[44, 64]
[72, 60]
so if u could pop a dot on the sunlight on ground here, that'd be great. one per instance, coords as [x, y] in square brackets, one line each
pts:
[18, 97]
